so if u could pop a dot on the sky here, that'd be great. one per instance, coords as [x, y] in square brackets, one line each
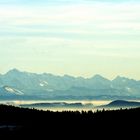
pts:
[75, 37]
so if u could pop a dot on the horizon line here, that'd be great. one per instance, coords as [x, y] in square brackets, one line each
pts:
[62, 75]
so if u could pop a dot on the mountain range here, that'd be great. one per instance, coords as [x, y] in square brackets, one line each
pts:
[16, 84]
[114, 104]
[57, 104]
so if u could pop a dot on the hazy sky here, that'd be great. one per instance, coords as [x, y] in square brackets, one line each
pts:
[76, 37]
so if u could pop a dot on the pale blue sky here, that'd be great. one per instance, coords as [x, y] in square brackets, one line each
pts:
[76, 37]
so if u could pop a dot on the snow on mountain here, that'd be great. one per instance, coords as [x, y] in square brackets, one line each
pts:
[17, 82]
[13, 90]
[43, 83]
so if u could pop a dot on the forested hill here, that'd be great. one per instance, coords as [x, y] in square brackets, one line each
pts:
[23, 122]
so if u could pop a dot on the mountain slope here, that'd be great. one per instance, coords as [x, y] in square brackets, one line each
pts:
[122, 103]
[49, 85]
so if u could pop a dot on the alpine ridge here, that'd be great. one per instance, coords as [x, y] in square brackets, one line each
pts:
[32, 85]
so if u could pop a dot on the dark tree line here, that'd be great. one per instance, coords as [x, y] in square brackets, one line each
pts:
[15, 121]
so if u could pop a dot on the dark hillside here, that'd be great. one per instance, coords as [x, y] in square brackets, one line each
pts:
[23, 122]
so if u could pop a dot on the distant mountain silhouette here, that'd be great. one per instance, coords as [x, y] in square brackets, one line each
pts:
[57, 104]
[122, 103]
[49, 86]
